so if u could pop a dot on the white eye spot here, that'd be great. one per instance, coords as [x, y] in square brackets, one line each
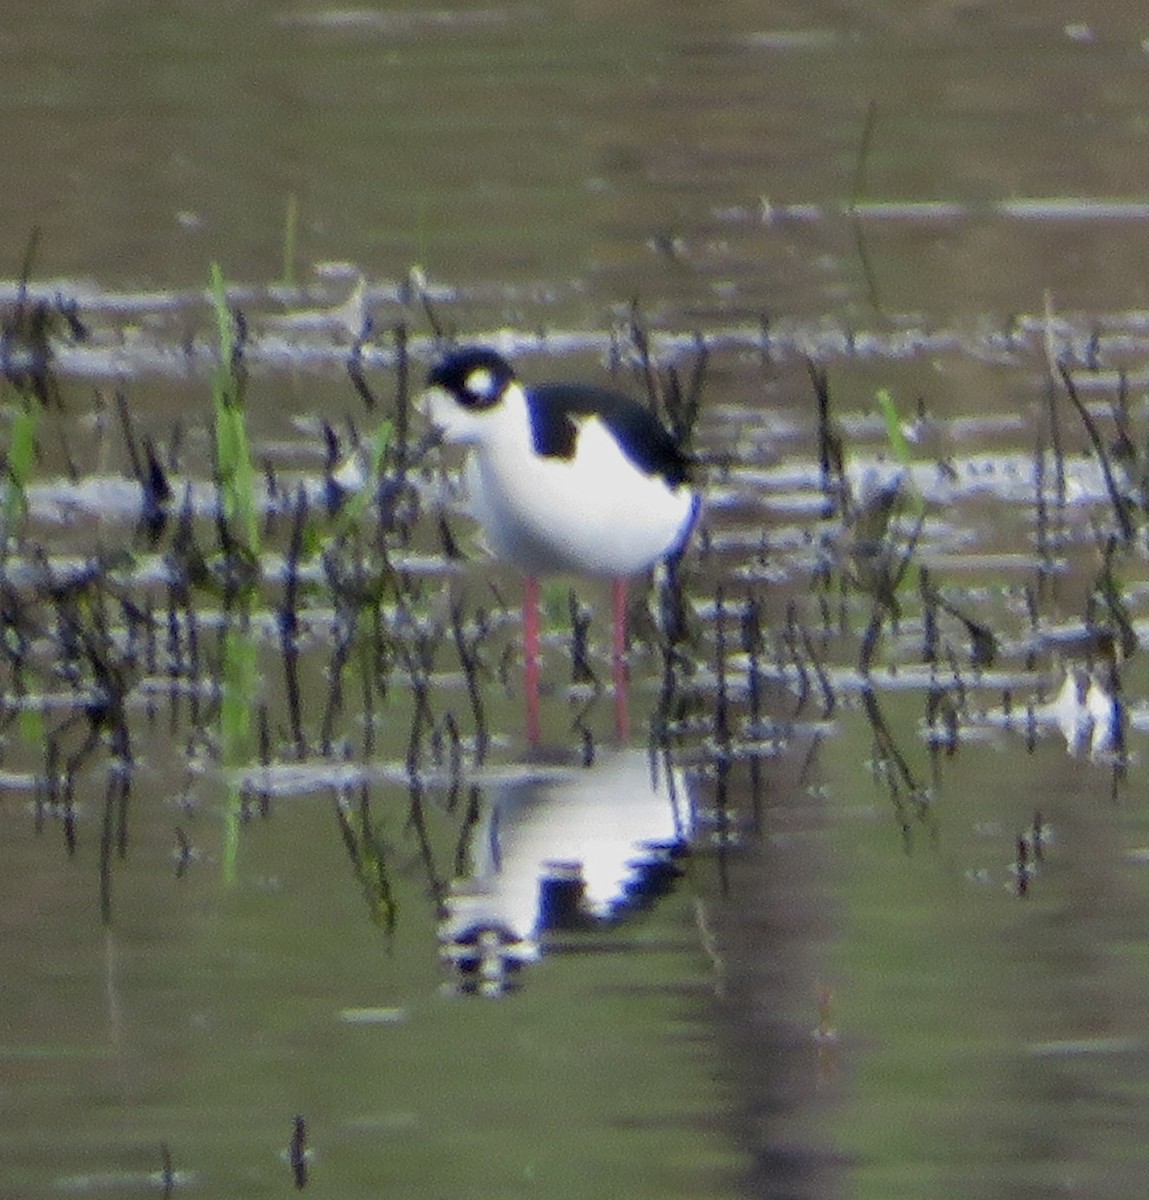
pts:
[480, 382]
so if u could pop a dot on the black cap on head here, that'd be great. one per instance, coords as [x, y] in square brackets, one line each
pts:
[475, 375]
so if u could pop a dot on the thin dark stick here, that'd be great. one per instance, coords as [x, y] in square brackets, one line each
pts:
[1119, 502]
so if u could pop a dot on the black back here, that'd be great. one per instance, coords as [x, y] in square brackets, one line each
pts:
[556, 408]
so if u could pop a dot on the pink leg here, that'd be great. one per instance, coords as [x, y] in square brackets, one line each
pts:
[531, 656]
[621, 710]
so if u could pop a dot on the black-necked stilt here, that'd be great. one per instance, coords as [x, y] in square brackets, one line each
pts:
[563, 477]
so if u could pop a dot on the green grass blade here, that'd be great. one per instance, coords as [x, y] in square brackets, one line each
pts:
[237, 474]
[224, 329]
[237, 703]
[895, 435]
[290, 239]
[21, 453]
[358, 502]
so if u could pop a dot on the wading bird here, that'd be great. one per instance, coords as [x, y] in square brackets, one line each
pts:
[563, 478]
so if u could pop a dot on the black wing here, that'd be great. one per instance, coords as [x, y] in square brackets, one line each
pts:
[555, 410]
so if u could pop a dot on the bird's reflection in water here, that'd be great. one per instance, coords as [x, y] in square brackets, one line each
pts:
[556, 850]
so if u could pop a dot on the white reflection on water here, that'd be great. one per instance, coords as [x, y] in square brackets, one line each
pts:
[552, 851]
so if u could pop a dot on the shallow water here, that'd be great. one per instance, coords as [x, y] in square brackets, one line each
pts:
[904, 951]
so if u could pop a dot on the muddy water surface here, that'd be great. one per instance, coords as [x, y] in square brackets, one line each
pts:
[861, 910]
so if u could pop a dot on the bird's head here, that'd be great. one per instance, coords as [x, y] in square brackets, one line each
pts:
[467, 393]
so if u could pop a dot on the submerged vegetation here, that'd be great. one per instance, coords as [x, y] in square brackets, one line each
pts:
[268, 620]
[202, 623]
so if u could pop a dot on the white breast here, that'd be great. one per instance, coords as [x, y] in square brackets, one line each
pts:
[596, 513]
